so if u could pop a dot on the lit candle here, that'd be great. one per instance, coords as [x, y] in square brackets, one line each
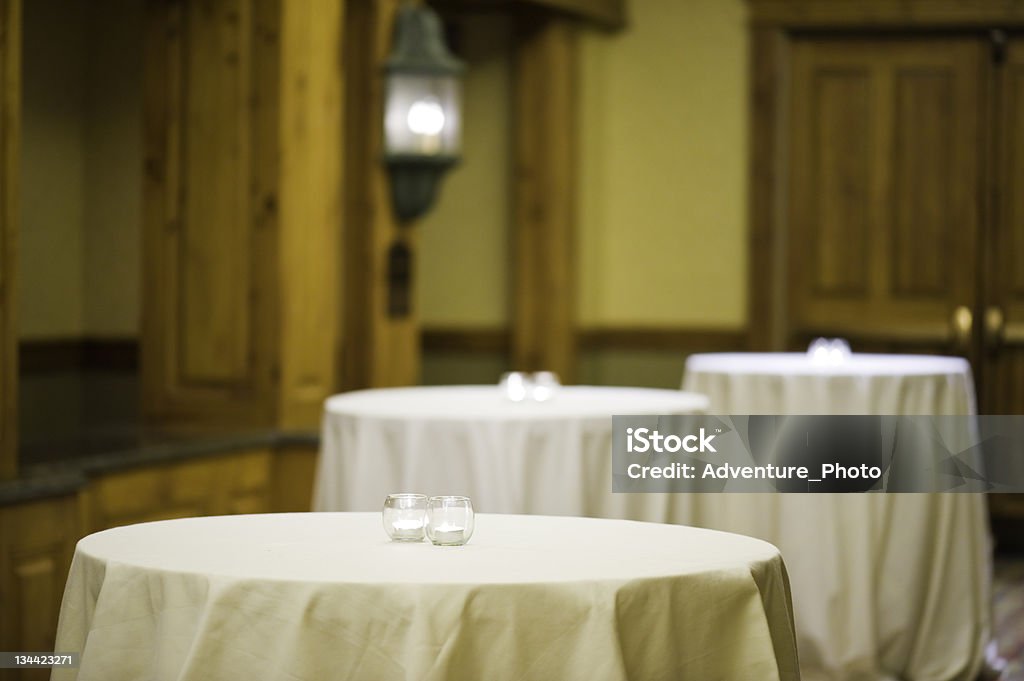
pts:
[407, 529]
[449, 533]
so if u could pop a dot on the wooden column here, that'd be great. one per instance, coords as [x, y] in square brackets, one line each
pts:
[310, 181]
[767, 288]
[545, 194]
[381, 339]
[242, 213]
[10, 106]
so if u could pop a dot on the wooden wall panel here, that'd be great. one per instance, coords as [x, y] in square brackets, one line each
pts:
[213, 247]
[243, 185]
[545, 198]
[202, 359]
[10, 112]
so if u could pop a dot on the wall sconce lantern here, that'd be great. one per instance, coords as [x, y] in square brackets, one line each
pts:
[422, 123]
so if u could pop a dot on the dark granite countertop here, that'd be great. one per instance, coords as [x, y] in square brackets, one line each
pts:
[58, 468]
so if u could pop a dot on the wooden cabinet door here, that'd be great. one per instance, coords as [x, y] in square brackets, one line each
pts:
[1002, 370]
[884, 188]
[37, 540]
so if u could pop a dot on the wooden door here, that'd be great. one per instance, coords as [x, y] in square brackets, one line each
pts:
[884, 190]
[1002, 370]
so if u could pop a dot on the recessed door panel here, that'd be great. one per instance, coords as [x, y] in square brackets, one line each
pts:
[1003, 309]
[884, 183]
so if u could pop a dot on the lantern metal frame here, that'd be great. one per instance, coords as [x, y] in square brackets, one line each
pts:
[418, 50]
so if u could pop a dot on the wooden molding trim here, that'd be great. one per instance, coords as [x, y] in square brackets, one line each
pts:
[610, 14]
[671, 339]
[886, 13]
[122, 354]
[478, 340]
[75, 354]
[496, 340]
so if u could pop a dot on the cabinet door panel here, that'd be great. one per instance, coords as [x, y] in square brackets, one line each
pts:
[37, 540]
[884, 186]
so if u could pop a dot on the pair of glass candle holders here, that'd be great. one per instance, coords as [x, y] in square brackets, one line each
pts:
[445, 521]
[829, 351]
[540, 386]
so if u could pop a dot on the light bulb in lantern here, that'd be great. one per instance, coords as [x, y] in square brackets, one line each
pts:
[426, 117]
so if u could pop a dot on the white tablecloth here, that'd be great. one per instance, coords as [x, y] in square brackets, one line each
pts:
[326, 596]
[550, 458]
[886, 586]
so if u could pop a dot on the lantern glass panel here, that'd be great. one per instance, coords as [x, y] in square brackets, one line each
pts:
[422, 115]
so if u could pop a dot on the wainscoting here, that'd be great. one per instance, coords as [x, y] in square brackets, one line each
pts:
[619, 355]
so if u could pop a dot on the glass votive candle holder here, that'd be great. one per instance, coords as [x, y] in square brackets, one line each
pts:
[839, 350]
[515, 386]
[404, 516]
[819, 350]
[544, 386]
[449, 520]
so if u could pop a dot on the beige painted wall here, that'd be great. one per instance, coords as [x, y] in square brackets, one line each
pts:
[112, 252]
[663, 167]
[662, 195]
[463, 273]
[50, 273]
[81, 169]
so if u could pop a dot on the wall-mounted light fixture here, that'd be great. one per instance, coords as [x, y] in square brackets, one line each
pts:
[422, 120]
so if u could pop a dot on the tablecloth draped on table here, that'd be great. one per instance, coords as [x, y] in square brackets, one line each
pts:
[326, 596]
[552, 458]
[885, 586]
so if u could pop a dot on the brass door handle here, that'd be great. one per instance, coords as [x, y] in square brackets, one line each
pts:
[960, 326]
[995, 326]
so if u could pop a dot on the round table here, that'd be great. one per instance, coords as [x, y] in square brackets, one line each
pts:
[326, 595]
[550, 457]
[886, 586]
